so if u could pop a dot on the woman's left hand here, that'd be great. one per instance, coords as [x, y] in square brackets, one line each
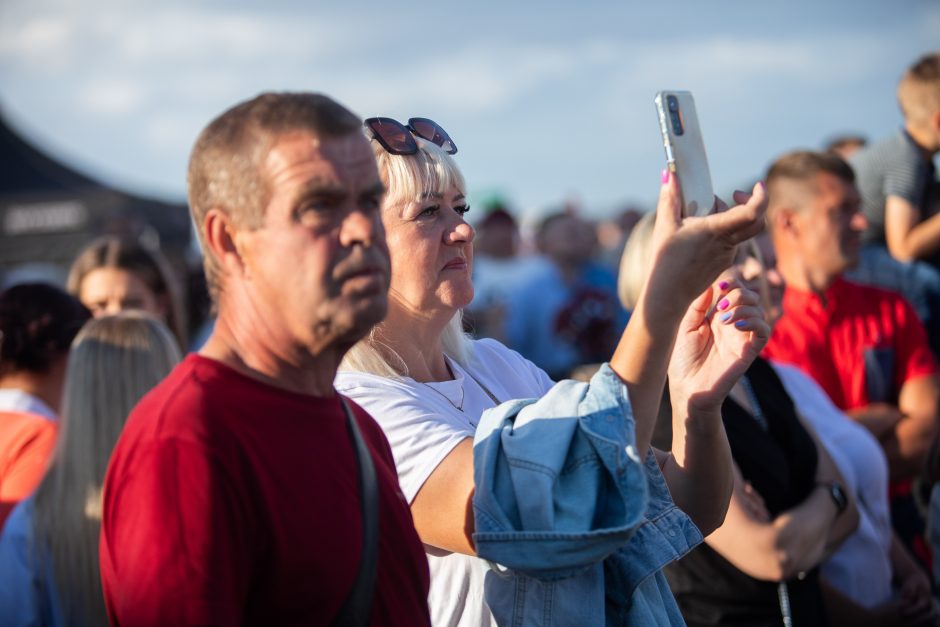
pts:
[715, 346]
[917, 601]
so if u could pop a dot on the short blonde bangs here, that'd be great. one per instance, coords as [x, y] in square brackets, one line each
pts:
[409, 177]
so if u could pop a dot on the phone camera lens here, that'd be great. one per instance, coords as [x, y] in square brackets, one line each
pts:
[676, 123]
[673, 103]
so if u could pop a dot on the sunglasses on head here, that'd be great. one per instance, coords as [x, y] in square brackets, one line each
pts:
[399, 139]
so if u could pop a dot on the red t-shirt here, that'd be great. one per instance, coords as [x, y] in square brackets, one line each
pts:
[228, 501]
[26, 442]
[861, 346]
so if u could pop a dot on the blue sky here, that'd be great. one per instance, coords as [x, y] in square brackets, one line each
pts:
[547, 101]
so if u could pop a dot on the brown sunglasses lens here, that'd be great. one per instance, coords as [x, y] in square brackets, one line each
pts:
[432, 132]
[393, 136]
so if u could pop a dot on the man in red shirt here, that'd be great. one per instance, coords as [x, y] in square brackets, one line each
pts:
[865, 346]
[232, 496]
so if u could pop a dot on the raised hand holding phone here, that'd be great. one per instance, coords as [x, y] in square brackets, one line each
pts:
[685, 151]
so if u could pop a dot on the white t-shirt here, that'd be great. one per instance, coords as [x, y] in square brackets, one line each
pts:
[861, 567]
[423, 423]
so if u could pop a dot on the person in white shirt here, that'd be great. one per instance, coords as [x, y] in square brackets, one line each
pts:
[427, 384]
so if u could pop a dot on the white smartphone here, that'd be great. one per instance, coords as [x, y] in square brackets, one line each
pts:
[685, 150]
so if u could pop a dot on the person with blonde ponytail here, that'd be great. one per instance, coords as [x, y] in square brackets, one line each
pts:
[49, 571]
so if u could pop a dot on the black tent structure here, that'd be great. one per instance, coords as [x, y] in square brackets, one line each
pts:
[49, 211]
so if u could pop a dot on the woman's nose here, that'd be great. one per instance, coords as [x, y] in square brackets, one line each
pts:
[461, 232]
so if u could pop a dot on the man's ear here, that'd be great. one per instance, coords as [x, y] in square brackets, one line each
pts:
[220, 235]
[783, 220]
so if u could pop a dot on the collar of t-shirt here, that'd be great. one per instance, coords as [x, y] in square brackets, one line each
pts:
[20, 401]
[796, 301]
[464, 394]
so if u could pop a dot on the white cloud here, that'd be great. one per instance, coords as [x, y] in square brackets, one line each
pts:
[466, 80]
[149, 74]
[110, 98]
[39, 43]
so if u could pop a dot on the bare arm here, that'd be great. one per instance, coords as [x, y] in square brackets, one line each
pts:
[908, 443]
[879, 418]
[443, 508]
[907, 237]
[912, 581]
[689, 253]
[826, 473]
[699, 474]
[709, 357]
[795, 541]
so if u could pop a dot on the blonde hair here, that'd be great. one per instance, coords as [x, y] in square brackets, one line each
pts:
[114, 362]
[406, 179]
[637, 257]
[919, 89]
[635, 261]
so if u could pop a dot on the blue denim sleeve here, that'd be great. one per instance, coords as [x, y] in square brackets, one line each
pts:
[559, 482]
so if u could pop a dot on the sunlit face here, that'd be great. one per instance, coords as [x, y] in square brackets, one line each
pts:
[431, 247]
[318, 266]
[829, 226]
[108, 291]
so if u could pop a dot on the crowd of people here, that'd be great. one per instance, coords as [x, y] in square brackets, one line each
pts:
[396, 418]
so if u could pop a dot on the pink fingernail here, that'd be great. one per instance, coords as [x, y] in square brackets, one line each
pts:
[724, 304]
[664, 177]
[762, 186]
[723, 285]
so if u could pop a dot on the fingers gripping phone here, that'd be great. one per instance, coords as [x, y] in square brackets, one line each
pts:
[685, 151]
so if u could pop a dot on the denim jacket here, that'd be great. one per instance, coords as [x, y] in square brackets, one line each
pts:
[576, 527]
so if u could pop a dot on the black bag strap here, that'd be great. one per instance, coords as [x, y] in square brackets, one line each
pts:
[355, 611]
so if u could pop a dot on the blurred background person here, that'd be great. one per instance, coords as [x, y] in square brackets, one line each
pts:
[37, 325]
[613, 233]
[845, 145]
[49, 571]
[497, 266]
[566, 313]
[871, 579]
[114, 274]
[864, 346]
[894, 176]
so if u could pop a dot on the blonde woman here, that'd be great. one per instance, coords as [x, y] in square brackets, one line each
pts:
[49, 548]
[429, 387]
